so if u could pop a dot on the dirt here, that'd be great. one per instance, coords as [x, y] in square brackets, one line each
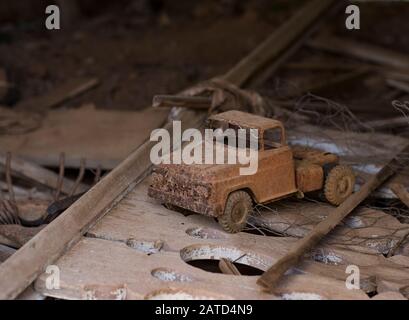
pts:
[136, 54]
[142, 48]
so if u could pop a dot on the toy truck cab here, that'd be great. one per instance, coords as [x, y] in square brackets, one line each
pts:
[220, 191]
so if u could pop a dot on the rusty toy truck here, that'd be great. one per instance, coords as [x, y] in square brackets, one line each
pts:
[220, 191]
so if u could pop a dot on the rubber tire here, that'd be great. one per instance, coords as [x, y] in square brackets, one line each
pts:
[239, 200]
[339, 184]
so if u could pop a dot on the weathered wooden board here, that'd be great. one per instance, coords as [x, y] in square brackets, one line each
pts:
[140, 250]
[58, 95]
[102, 137]
[366, 231]
[365, 152]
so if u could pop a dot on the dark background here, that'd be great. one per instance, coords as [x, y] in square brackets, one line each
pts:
[144, 47]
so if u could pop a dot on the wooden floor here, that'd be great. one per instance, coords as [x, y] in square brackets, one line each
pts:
[141, 250]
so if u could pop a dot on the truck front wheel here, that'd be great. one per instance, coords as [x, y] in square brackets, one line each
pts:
[339, 184]
[237, 209]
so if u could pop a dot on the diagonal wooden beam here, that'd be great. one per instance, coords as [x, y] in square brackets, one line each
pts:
[60, 235]
[271, 277]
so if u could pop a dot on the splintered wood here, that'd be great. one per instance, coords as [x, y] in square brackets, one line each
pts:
[272, 276]
[82, 133]
[141, 250]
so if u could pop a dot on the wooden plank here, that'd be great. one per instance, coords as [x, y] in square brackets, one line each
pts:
[388, 124]
[401, 192]
[60, 235]
[365, 152]
[58, 95]
[166, 101]
[276, 45]
[135, 221]
[270, 278]
[367, 230]
[16, 236]
[86, 133]
[400, 85]
[227, 267]
[152, 278]
[130, 231]
[362, 51]
[28, 262]
[33, 173]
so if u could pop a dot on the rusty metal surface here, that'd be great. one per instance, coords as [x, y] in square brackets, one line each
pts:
[204, 188]
[246, 120]
[310, 177]
[314, 156]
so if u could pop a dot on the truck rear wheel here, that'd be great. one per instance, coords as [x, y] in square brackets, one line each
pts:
[237, 209]
[339, 184]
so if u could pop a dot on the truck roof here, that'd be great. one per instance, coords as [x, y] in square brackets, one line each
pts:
[247, 120]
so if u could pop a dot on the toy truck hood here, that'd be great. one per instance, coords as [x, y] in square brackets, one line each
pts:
[201, 171]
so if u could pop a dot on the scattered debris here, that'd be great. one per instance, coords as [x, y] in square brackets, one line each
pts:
[224, 192]
[168, 101]
[58, 95]
[227, 267]
[85, 133]
[36, 174]
[403, 86]
[16, 236]
[401, 193]
[362, 51]
[114, 224]
[270, 278]
[387, 124]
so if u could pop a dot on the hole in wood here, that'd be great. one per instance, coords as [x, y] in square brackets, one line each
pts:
[207, 257]
[205, 233]
[177, 294]
[325, 256]
[148, 247]
[169, 275]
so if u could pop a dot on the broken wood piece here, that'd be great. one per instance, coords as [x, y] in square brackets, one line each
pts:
[64, 232]
[227, 267]
[271, 277]
[24, 193]
[8, 212]
[361, 50]
[397, 245]
[327, 66]
[31, 212]
[367, 230]
[401, 192]
[169, 101]
[36, 174]
[58, 95]
[85, 132]
[402, 86]
[385, 124]
[17, 122]
[16, 236]
[396, 75]
[276, 45]
[336, 80]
